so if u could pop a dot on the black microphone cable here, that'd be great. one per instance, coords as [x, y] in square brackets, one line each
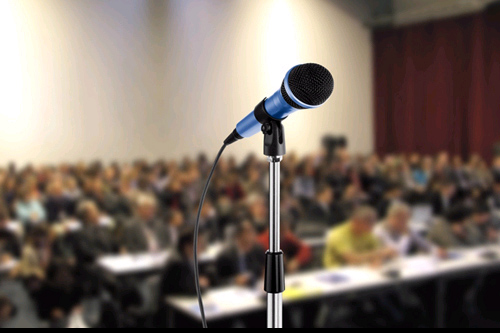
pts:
[196, 232]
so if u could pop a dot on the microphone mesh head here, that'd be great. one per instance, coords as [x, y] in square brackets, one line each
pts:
[311, 84]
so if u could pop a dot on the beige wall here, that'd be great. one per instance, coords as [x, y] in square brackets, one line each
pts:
[120, 79]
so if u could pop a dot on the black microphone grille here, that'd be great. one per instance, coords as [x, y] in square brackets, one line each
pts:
[311, 84]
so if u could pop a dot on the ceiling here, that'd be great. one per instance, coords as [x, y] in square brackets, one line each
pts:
[377, 13]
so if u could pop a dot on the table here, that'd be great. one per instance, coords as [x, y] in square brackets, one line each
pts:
[144, 263]
[131, 264]
[230, 302]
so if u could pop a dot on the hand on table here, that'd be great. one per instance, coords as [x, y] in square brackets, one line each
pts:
[242, 279]
[57, 314]
[204, 282]
[5, 259]
[388, 253]
[442, 253]
[492, 235]
[293, 266]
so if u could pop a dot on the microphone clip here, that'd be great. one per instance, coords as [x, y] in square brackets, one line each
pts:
[274, 138]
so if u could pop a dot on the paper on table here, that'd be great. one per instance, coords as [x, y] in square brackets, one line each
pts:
[296, 293]
[420, 265]
[232, 299]
[209, 308]
[333, 278]
[133, 263]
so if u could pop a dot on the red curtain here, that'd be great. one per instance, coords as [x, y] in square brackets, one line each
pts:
[437, 86]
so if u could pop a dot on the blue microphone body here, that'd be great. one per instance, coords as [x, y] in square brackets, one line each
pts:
[309, 82]
[275, 106]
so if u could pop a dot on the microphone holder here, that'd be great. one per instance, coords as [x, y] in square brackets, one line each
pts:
[274, 149]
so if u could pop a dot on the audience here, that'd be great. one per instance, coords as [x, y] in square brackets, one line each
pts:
[58, 220]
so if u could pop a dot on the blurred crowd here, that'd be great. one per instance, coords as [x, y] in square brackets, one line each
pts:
[56, 221]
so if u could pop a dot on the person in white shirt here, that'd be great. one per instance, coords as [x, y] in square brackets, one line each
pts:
[395, 232]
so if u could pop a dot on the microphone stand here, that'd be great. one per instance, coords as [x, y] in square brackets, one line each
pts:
[274, 149]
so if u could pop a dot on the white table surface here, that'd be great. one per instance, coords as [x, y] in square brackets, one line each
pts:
[134, 263]
[125, 264]
[231, 301]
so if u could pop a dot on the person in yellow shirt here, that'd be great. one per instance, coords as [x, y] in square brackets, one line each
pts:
[353, 242]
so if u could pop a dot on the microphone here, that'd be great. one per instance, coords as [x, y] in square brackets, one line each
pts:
[306, 86]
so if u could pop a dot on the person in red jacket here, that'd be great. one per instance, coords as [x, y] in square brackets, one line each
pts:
[297, 254]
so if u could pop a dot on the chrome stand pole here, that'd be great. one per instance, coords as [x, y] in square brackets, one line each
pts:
[274, 300]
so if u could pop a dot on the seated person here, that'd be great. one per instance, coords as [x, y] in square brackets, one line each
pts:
[175, 222]
[445, 198]
[178, 276]
[72, 194]
[396, 234]
[28, 208]
[93, 240]
[494, 199]
[297, 254]
[35, 259]
[208, 220]
[482, 221]
[453, 231]
[321, 207]
[393, 194]
[352, 198]
[57, 205]
[353, 242]
[10, 246]
[145, 232]
[304, 187]
[59, 297]
[242, 263]
[7, 310]
[258, 212]
[94, 189]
